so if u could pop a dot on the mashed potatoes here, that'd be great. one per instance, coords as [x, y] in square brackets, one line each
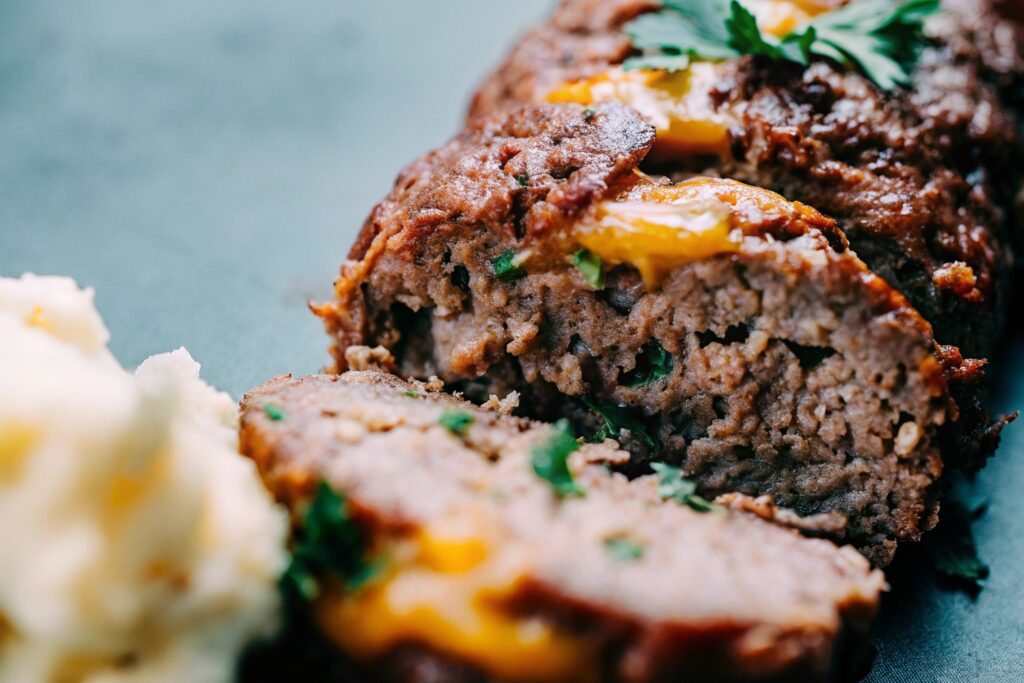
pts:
[135, 544]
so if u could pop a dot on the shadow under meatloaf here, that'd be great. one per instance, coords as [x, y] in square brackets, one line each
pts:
[922, 180]
[784, 366]
[487, 573]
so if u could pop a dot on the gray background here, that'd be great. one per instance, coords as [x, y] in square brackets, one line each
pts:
[205, 165]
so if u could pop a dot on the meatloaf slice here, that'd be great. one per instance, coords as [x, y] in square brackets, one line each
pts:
[709, 324]
[511, 552]
[924, 180]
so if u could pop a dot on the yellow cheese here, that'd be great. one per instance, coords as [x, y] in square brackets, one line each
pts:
[656, 228]
[676, 104]
[448, 594]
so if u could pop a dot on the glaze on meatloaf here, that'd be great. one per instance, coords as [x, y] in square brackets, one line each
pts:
[734, 333]
[488, 573]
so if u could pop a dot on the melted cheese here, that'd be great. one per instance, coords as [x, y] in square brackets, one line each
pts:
[447, 591]
[677, 104]
[656, 228]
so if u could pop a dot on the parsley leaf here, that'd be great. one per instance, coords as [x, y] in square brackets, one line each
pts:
[881, 37]
[328, 543]
[673, 486]
[653, 364]
[623, 549]
[505, 267]
[550, 459]
[615, 420]
[274, 412]
[953, 550]
[590, 267]
[456, 421]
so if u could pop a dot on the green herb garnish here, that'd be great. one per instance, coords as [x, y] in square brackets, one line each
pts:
[328, 544]
[550, 459]
[410, 393]
[456, 421]
[672, 485]
[589, 113]
[590, 267]
[274, 412]
[953, 550]
[505, 267]
[522, 180]
[623, 549]
[653, 364]
[615, 420]
[882, 37]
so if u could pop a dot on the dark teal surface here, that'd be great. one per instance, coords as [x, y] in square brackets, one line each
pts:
[205, 165]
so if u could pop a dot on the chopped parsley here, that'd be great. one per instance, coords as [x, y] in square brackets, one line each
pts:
[550, 459]
[623, 549]
[673, 486]
[328, 544]
[523, 180]
[589, 114]
[617, 419]
[653, 363]
[589, 265]
[883, 38]
[456, 421]
[410, 393]
[505, 267]
[274, 412]
[953, 550]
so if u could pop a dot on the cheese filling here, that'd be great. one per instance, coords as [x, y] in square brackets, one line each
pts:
[677, 104]
[448, 590]
[656, 228]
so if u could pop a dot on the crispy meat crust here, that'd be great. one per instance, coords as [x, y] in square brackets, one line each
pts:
[691, 606]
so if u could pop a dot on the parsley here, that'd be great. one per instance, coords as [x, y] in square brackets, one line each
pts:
[623, 549]
[653, 364]
[953, 550]
[615, 420]
[882, 37]
[456, 421]
[505, 267]
[522, 180]
[410, 393]
[550, 459]
[328, 543]
[589, 114]
[274, 412]
[589, 265]
[673, 486]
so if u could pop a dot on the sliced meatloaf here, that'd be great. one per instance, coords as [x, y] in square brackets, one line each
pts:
[922, 180]
[707, 323]
[506, 550]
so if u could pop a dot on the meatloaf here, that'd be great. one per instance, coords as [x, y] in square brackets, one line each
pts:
[924, 180]
[506, 550]
[706, 323]
[921, 179]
